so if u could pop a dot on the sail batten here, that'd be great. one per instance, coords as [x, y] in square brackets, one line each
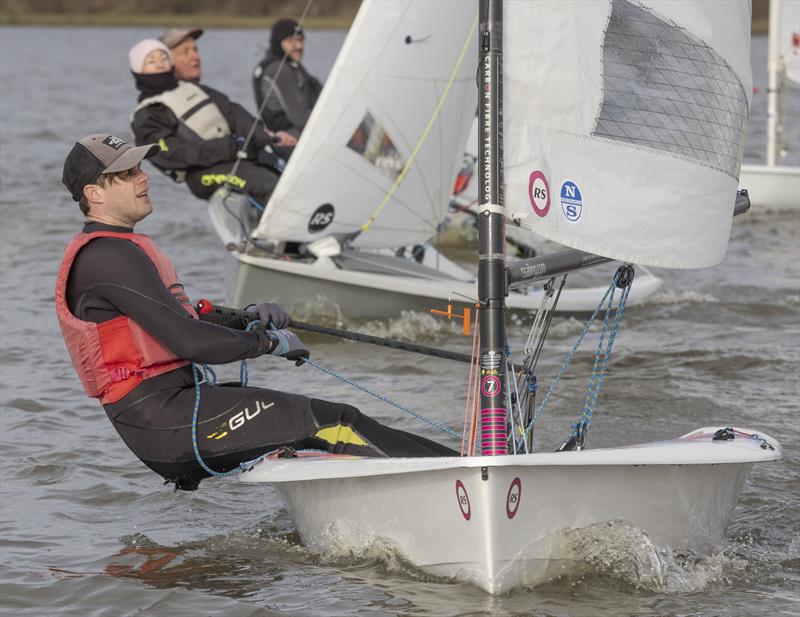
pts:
[625, 125]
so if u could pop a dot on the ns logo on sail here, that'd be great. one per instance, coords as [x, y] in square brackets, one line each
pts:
[571, 201]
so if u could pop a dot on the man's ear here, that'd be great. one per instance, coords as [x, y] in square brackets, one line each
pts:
[93, 193]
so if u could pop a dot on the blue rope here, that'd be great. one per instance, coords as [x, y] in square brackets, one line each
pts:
[254, 202]
[596, 379]
[195, 447]
[584, 332]
[243, 371]
[210, 377]
[566, 364]
[409, 411]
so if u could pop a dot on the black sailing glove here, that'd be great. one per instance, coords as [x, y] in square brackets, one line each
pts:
[266, 157]
[288, 345]
[270, 314]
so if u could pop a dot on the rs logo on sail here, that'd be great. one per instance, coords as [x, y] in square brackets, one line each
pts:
[539, 193]
[321, 218]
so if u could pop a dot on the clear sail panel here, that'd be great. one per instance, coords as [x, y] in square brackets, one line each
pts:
[381, 149]
[625, 125]
[666, 90]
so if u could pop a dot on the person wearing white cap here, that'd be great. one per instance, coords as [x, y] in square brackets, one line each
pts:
[200, 132]
[133, 336]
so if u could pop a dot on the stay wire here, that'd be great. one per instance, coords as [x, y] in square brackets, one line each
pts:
[532, 352]
[596, 379]
[568, 359]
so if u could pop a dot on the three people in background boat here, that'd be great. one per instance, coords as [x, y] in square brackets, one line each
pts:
[200, 132]
[285, 92]
[133, 334]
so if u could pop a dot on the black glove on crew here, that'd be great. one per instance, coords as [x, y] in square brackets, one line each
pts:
[266, 157]
[288, 345]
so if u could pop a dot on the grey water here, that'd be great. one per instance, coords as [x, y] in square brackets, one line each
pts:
[88, 530]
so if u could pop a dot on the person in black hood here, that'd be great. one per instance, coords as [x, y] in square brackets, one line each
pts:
[200, 132]
[285, 92]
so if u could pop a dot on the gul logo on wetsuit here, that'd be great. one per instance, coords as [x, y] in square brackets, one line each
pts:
[238, 420]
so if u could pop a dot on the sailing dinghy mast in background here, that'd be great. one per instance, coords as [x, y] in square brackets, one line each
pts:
[776, 186]
[374, 172]
[504, 520]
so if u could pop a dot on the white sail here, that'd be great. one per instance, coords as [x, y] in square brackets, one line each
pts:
[400, 95]
[788, 36]
[625, 124]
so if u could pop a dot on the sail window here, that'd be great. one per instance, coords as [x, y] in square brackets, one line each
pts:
[371, 141]
[666, 90]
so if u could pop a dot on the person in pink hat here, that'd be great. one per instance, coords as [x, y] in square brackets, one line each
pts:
[200, 131]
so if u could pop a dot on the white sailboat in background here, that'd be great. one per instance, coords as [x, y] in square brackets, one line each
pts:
[374, 172]
[776, 186]
[602, 107]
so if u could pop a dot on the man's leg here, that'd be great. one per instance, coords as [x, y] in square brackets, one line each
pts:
[238, 424]
[259, 182]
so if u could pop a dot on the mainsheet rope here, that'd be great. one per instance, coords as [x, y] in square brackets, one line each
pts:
[211, 379]
[623, 276]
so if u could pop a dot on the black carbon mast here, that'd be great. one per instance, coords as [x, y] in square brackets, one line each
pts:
[492, 288]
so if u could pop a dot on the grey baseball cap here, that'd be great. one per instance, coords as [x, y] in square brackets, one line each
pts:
[100, 154]
[175, 36]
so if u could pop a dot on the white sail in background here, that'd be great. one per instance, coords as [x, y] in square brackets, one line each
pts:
[403, 64]
[783, 69]
[625, 124]
[788, 33]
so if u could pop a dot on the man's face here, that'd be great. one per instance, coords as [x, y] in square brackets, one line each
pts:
[293, 47]
[126, 198]
[187, 60]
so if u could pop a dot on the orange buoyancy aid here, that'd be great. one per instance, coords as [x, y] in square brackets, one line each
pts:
[115, 356]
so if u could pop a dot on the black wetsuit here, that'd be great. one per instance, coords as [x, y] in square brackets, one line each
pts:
[292, 93]
[112, 277]
[206, 163]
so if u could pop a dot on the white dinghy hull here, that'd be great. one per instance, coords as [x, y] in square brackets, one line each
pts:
[772, 188]
[361, 294]
[504, 521]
